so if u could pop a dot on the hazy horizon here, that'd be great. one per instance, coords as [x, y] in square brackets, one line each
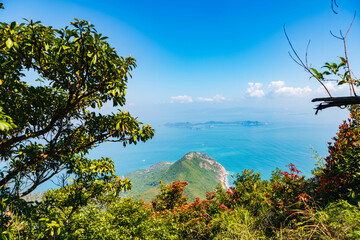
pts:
[205, 60]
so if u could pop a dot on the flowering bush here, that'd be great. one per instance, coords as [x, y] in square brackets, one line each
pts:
[340, 177]
[289, 193]
[171, 195]
[288, 190]
[248, 191]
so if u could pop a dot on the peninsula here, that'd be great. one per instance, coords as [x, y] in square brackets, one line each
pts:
[201, 172]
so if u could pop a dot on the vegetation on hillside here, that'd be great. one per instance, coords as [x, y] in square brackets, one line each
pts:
[200, 171]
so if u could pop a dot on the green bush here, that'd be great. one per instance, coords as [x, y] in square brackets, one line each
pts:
[339, 220]
[340, 177]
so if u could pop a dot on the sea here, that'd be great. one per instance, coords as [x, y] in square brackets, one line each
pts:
[262, 148]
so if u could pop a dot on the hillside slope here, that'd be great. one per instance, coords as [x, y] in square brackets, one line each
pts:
[201, 172]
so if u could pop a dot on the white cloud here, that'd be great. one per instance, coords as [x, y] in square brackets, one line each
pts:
[216, 98]
[278, 88]
[333, 88]
[181, 99]
[254, 90]
[204, 99]
[219, 98]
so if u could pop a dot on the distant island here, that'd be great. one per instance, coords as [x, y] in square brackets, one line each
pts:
[201, 172]
[214, 123]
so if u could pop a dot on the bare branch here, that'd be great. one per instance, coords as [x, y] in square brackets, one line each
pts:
[306, 54]
[346, 56]
[332, 34]
[302, 64]
[350, 25]
[293, 49]
[295, 60]
[343, 38]
[333, 2]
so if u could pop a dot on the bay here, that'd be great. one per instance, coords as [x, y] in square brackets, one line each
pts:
[236, 147]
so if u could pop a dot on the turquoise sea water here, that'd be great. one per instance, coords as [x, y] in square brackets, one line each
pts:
[236, 147]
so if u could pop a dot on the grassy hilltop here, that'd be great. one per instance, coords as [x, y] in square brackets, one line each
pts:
[201, 172]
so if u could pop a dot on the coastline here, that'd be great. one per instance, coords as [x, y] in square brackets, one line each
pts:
[223, 178]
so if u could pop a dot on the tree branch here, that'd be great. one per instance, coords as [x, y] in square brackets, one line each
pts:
[335, 102]
[301, 62]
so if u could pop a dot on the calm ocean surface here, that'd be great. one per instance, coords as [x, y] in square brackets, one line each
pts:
[236, 147]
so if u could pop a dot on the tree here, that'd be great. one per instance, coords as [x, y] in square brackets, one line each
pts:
[50, 126]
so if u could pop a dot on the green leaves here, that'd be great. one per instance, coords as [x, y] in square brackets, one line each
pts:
[340, 177]
[79, 71]
[343, 61]
[317, 74]
[337, 72]
[6, 122]
[49, 127]
[9, 43]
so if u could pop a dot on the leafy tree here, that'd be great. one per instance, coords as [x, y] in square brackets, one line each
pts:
[48, 127]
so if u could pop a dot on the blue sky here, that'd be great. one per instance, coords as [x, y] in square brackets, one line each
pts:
[212, 60]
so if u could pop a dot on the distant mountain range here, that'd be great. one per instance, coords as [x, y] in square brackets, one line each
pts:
[214, 123]
[201, 172]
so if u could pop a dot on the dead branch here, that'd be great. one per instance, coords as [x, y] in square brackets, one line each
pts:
[333, 3]
[343, 39]
[335, 102]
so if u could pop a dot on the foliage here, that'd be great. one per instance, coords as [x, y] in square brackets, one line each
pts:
[54, 122]
[248, 192]
[340, 176]
[289, 189]
[171, 196]
[339, 220]
[53, 216]
[290, 193]
[5, 121]
[107, 216]
[237, 224]
[187, 220]
[341, 72]
[49, 127]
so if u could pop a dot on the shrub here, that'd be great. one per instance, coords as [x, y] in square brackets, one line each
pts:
[171, 195]
[289, 193]
[248, 192]
[339, 220]
[340, 177]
